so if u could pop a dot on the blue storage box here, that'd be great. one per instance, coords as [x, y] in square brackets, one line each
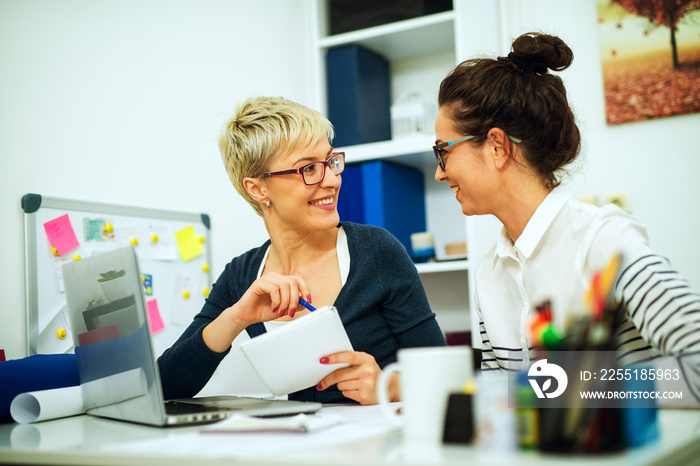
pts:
[384, 194]
[359, 96]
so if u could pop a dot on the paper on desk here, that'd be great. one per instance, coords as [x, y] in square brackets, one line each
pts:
[299, 423]
[47, 404]
[43, 405]
[359, 422]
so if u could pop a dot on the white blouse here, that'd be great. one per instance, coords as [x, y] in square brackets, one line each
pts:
[563, 244]
[343, 261]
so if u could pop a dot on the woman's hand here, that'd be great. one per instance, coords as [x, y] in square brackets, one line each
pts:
[270, 296]
[359, 381]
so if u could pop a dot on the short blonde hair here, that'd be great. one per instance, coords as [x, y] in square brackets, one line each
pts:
[263, 128]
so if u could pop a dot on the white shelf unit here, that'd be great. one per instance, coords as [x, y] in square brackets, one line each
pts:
[458, 265]
[400, 40]
[421, 52]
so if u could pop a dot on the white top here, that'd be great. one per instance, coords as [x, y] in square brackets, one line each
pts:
[563, 244]
[343, 261]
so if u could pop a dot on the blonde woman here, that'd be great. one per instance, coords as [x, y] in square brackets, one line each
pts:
[279, 158]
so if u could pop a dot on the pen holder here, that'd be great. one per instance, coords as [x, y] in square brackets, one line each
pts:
[578, 425]
[589, 430]
[641, 416]
[608, 426]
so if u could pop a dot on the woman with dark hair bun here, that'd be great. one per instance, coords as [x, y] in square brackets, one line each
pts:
[505, 137]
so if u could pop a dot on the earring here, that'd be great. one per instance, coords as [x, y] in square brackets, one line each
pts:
[492, 140]
[267, 203]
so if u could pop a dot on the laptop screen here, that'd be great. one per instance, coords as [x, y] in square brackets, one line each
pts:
[116, 362]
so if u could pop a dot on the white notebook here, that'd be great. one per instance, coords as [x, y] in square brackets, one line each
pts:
[287, 359]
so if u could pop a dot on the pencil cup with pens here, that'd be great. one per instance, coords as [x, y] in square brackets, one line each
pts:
[552, 414]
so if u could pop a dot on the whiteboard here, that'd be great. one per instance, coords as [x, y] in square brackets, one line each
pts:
[174, 254]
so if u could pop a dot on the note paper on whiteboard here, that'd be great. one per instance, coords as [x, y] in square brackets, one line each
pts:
[188, 243]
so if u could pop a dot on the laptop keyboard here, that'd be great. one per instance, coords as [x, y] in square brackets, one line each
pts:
[180, 407]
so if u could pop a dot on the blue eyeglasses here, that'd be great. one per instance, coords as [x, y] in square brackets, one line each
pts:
[440, 151]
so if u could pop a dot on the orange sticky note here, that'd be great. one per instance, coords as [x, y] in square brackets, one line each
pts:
[188, 243]
[61, 235]
[154, 316]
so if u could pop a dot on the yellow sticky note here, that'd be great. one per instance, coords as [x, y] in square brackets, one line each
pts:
[188, 243]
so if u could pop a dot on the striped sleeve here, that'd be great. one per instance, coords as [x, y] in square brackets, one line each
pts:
[495, 358]
[488, 359]
[663, 309]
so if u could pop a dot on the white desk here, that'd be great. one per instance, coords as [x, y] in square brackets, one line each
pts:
[85, 440]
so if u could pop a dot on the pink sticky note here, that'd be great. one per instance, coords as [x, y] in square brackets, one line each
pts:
[61, 235]
[154, 316]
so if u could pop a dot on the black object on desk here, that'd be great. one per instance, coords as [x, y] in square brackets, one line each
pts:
[459, 419]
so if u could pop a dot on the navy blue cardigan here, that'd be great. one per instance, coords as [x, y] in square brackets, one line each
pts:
[382, 305]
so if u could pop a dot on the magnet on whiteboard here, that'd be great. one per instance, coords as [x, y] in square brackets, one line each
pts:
[205, 268]
[109, 228]
[77, 257]
[135, 241]
[54, 251]
[154, 238]
[61, 333]
[202, 239]
[205, 292]
[186, 294]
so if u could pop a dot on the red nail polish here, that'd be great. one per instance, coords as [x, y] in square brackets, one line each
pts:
[319, 387]
[324, 360]
[308, 298]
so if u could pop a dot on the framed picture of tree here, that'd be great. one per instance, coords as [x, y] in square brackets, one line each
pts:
[650, 52]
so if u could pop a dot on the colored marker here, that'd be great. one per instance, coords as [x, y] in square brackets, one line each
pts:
[307, 305]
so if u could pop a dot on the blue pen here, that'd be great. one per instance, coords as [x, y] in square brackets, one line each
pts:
[307, 305]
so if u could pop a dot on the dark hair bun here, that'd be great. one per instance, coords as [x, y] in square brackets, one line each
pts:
[542, 52]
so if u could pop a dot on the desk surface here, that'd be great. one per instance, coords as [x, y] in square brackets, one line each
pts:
[86, 440]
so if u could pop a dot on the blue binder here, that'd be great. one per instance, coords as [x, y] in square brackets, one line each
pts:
[351, 206]
[384, 194]
[359, 96]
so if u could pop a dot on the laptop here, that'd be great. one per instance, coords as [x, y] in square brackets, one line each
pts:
[117, 367]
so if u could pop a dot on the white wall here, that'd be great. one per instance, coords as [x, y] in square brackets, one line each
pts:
[121, 101]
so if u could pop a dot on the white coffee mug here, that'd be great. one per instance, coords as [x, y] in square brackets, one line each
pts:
[428, 376]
